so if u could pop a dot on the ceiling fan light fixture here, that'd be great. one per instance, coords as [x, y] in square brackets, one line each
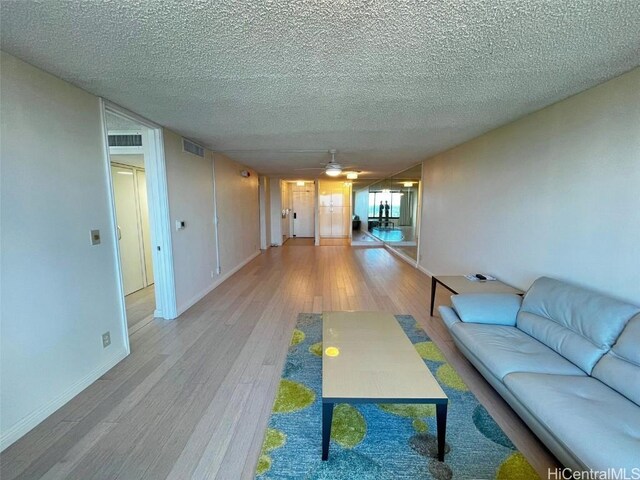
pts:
[352, 176]
[333, 171]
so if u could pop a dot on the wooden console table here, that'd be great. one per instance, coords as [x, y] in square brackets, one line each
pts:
[458, 284]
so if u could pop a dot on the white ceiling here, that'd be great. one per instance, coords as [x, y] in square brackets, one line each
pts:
[387, 83]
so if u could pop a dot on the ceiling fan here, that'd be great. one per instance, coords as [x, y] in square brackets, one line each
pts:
[332, 169]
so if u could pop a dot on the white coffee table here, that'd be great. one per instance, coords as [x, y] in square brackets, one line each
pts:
[367, 358]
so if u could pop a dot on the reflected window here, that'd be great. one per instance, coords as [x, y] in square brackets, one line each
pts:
[393, 198]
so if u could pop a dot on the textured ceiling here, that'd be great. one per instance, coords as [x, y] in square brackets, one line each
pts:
[387, 83]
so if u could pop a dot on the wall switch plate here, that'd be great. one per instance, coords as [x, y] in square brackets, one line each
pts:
[180, 224]
[95, 237]
[106, 339]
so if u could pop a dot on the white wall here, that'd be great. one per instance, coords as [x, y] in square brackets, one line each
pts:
[190, 185]
[361, 208]
[555, 193]
[58, 293]
[285, 189]
[265, 213]
[275, 195]
[238, 213]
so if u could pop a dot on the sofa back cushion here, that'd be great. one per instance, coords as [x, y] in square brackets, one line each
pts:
[620, 367]
[579, 324]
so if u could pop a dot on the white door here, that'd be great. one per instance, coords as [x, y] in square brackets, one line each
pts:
[303, 221]
[124, 189]
[146, 230]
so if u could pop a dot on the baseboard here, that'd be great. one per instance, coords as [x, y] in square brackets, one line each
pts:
[424, 270]
[187, 305]
[32, 420]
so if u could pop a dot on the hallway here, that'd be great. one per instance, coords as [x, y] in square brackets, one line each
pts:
[193, 398]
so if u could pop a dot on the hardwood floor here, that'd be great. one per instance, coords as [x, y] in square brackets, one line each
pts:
[193, 398]
[140, 307]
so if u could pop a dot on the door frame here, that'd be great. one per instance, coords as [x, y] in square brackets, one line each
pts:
[159, 219]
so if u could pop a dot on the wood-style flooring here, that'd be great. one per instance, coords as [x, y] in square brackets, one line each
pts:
[140, 306]
[194, 397]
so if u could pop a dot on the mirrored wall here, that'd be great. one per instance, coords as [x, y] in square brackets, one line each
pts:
[389, 211]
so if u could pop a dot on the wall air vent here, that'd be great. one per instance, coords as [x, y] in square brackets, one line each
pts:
[125, 140]
[189, 146]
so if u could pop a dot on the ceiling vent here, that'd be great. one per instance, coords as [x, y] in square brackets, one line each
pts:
[189, 146]
[125, 140]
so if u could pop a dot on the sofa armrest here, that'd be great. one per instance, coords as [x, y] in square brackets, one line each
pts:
[448, 315]
[487, 308]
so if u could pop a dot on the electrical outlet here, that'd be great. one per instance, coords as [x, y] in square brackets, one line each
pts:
[95, 237]
[212, 274]
[106, 339]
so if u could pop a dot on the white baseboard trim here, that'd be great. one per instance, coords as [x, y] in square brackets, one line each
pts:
[187, 305]
[424, 270]
[32, 420]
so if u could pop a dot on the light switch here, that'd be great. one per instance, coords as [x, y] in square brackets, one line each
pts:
[95, 237]
[180, 224]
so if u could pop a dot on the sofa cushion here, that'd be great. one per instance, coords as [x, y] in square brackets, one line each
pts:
[579, 324]
[503, 350]
[600, 427]
[489, 308]
[620, 367]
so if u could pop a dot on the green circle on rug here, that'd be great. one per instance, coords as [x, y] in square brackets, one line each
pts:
[272, 440]
[292, 396]
[316, 349]
[429, 351]
[420, 426]
[264, 464]
[297, 337]
[348, 426]
[447, 375]
[410, 410]
[516, 467]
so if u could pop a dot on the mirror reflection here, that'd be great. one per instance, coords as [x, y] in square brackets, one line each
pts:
[388, 212]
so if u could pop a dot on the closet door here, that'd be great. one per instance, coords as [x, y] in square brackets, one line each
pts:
[144, 224]
[131, 259]
[325, 221]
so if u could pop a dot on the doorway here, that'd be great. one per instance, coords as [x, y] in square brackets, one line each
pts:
[303, 206]
[141, 217]
[134, 237]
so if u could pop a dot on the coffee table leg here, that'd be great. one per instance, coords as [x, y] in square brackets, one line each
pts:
[433, 293]
[441, 419]
[327, 416]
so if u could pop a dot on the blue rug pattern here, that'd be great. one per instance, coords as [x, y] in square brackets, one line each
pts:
[380, 442]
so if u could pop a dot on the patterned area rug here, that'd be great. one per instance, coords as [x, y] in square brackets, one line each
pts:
[380, 441]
